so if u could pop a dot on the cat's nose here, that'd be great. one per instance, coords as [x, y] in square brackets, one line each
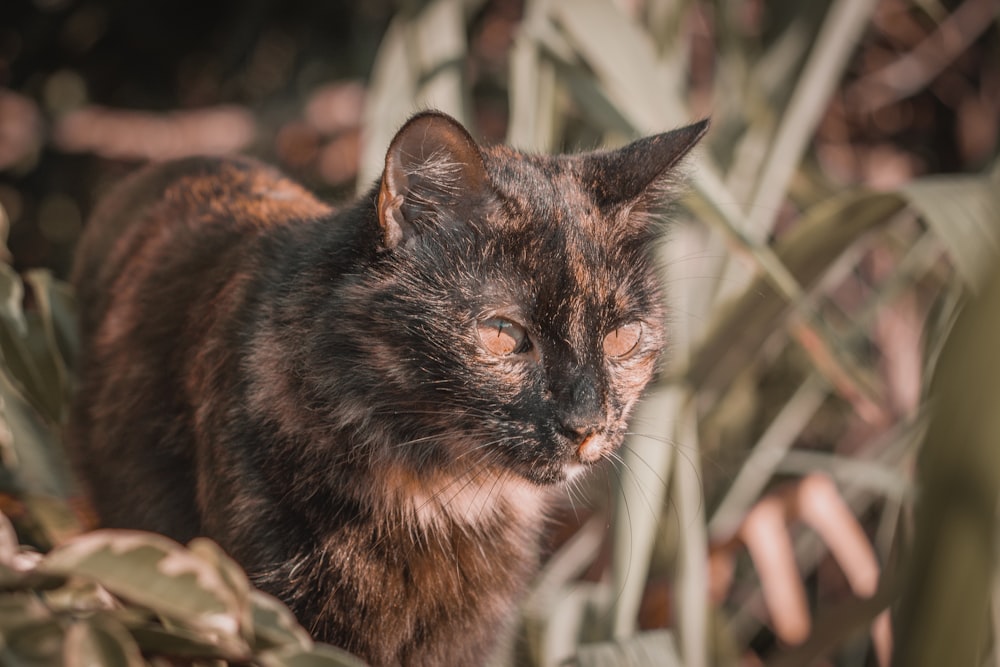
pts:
[578, 426]
[581, 406]
[583, 432]
[582, 414]
[579, 423]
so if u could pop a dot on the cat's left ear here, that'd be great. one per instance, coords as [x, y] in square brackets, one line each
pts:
[636, 175]
[433, 170]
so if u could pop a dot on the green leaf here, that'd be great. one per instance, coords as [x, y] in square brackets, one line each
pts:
[320, 655]
[389, 100]
[56, 305]
[593, 100]
[9, 547]
[159, 574]
[439, 47]
[32, 644]
[78, 596]
[532, 85]
[19, 609]
[274, 625]
[54, 517]
[30, 443]
[176, 642]
[649, 649]
[233, 577]
[100, 640]
[418, 66]
[690, 578]
[950, 569]
[14, 331]
[832, 49]
[965, 214]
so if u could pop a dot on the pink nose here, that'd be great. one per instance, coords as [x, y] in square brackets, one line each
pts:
[589, 449]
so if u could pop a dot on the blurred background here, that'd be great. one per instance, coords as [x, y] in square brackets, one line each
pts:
[841, 212]
[92, 88]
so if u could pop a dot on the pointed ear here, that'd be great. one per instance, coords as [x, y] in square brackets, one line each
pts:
[433, 167]
[638, 173]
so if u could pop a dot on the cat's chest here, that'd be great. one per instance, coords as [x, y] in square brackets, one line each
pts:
[449, 589]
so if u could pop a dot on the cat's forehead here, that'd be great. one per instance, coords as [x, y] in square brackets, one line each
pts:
[546, 205]
[571, 254]
[540, 186]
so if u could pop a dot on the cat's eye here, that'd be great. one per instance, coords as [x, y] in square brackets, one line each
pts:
[502, 337]
[623, 341]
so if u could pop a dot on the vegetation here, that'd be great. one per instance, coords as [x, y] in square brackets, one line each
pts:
[765, 507]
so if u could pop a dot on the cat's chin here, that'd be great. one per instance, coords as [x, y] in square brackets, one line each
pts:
[573, 470]
[556, 475]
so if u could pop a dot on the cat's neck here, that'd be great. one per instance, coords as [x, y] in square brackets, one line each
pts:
[468, 500]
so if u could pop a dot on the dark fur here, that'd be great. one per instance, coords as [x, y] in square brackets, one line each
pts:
[307, 387]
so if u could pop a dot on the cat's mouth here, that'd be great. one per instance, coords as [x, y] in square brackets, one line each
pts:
[587, 451]
[590, 448]
[575, 456]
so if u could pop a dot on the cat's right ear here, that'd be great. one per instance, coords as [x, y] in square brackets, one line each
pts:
[432, 167]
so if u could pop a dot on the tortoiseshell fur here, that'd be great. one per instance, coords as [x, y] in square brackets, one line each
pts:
[306, 386]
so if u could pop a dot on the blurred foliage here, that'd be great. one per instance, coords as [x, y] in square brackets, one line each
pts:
[943, 618]
[128, 598]
[843, 209]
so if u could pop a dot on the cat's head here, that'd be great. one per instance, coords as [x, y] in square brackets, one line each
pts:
[513, 314]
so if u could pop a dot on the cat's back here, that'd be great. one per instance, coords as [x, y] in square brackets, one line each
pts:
[190, 209]
[164, 272]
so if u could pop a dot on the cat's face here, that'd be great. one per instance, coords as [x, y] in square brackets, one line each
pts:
[515, 310]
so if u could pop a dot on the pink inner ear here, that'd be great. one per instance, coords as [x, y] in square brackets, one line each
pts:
[389, 214]
[429, 140]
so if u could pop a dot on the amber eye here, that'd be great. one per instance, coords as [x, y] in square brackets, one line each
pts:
[502, 337]
[623, 341]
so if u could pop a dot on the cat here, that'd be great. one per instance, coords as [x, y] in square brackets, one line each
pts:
[369, 408]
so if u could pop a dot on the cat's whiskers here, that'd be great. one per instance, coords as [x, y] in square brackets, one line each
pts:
[617, 458]
[445, 437]
[685, 451]
[450, 413]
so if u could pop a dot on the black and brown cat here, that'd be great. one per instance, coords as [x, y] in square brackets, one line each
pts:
[368, 408]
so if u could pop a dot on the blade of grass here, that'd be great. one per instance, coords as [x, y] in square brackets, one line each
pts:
[389, 101]
[532, 85]
[845, 23]
[765, 457]
[552, 621]
[649, 649]
[963, 211]
[849, 471]
[624, 59]
[691, 578]
[438, 45]
[646, 463]
[943, 618]
[418, 66]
